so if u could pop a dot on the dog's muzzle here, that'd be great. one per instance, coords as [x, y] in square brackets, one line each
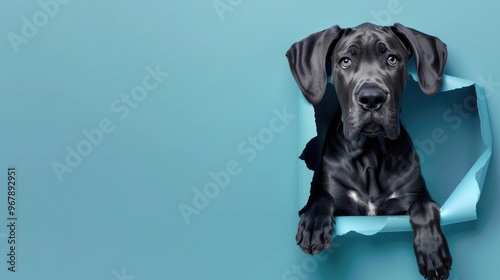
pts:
[375, 114]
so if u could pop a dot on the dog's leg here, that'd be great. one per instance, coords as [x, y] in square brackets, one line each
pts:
[431, 249]
[316, 223]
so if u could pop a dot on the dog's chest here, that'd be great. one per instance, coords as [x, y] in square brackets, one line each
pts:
[372, 179]
[370, 198]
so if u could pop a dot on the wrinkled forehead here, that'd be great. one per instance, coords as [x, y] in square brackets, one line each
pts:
[368, 38]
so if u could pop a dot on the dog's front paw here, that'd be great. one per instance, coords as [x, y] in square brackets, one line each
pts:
[432, 252]
[315, 231]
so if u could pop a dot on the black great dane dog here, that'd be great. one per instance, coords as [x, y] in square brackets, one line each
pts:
[368, 165]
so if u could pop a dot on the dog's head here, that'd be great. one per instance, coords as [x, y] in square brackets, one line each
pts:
[369, 68]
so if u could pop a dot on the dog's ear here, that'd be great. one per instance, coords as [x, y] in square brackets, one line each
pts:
[430, 56]
[307, 59]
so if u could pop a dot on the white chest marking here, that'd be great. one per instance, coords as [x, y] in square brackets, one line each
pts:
[372, 210]
[393, 195]
[355, 197]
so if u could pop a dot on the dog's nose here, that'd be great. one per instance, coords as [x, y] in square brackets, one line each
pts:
[371, 98]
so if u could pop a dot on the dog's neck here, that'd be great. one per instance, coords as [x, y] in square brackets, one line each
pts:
[355, 147]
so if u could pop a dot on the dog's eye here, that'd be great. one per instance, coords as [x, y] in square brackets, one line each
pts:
[392, 60]
[345, 62]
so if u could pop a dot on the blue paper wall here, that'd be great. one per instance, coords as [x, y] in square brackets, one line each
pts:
[158, 139]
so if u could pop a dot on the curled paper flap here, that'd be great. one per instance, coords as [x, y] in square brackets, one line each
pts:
[459, 205]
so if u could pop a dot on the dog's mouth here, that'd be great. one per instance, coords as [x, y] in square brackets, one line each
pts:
[373, 129]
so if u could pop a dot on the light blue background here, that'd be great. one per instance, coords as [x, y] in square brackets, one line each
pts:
[117, 214]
